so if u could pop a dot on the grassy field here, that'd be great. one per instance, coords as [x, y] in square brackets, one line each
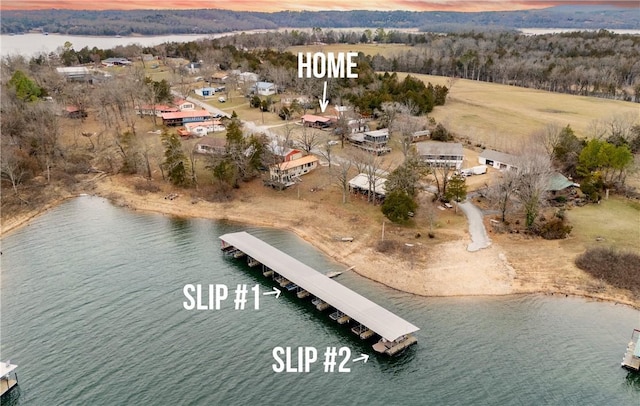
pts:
[616, 221]
[501, 116]
[385, 50]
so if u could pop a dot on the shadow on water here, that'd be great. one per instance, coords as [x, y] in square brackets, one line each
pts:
[182, 230]
[12, 397]
[632, 380]
[398, 363]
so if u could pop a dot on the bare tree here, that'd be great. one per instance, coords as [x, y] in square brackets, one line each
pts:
[500, 194]
[441, 174]
[371, 166]
[341, 177]
[533, 174]
[549, 137]
[326, 153]
[405, 127]
[390, 111]
[193, 157]
[12, 167]
[309, 139]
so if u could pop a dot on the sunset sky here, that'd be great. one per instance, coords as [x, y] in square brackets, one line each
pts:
[279, 5]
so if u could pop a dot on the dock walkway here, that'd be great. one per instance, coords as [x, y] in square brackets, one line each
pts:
[356, 307]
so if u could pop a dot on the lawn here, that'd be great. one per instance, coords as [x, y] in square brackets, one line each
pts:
[501, 116]
[616, 221]
[385, 50]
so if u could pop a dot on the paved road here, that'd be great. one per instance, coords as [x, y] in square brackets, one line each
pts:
[479, 237]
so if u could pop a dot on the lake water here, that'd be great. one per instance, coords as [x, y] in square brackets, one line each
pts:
[92, 312]
[32, 44]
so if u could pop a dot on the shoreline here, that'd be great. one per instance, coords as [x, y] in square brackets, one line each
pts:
[482, 273]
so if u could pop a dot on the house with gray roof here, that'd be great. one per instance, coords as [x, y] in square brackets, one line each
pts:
[436, 153]
[498, 160]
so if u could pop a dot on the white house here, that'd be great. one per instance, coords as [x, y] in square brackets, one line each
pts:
[203, 128]
[184, 105]
[205, 91]
[286, 173]
[438, 153]
[264, 88]
[498, 160]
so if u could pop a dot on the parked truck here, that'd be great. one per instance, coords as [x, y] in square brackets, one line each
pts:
[476, 170]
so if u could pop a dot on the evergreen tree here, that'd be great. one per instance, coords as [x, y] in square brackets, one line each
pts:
[175, 160]
[457, 188]
[398, 206]
[26, 89]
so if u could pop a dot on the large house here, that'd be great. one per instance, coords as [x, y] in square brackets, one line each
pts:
[183, 117]
[440, 154]
[372, 141]
[498, 160]
[285, 174]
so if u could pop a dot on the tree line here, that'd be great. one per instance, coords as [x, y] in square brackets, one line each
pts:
[601, 64]
[157, 22]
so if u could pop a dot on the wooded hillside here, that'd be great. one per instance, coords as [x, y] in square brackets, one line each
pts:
[157, 22]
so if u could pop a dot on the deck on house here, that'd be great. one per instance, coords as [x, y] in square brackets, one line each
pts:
[326, 292]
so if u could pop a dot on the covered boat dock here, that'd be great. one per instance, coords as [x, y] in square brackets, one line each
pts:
[8, 377]
[395, 332]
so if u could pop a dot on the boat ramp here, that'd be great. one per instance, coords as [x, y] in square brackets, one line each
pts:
[368, 318]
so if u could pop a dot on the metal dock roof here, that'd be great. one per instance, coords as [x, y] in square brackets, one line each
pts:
[359, 308]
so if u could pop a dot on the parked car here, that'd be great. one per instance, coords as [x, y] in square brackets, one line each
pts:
[222, 99]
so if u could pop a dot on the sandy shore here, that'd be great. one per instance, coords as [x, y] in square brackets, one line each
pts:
[441, 269]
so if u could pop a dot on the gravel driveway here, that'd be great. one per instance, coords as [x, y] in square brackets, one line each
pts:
[479, 237]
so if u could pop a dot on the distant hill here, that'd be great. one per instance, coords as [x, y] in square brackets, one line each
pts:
[157, 22]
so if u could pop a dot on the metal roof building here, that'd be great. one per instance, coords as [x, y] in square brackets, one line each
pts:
[386, 324]
[497, 159]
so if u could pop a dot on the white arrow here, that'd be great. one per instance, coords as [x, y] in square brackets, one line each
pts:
[363, 357]
[324, 102]
[275, 291]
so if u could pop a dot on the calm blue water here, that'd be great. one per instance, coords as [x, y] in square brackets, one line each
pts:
[91, 306]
